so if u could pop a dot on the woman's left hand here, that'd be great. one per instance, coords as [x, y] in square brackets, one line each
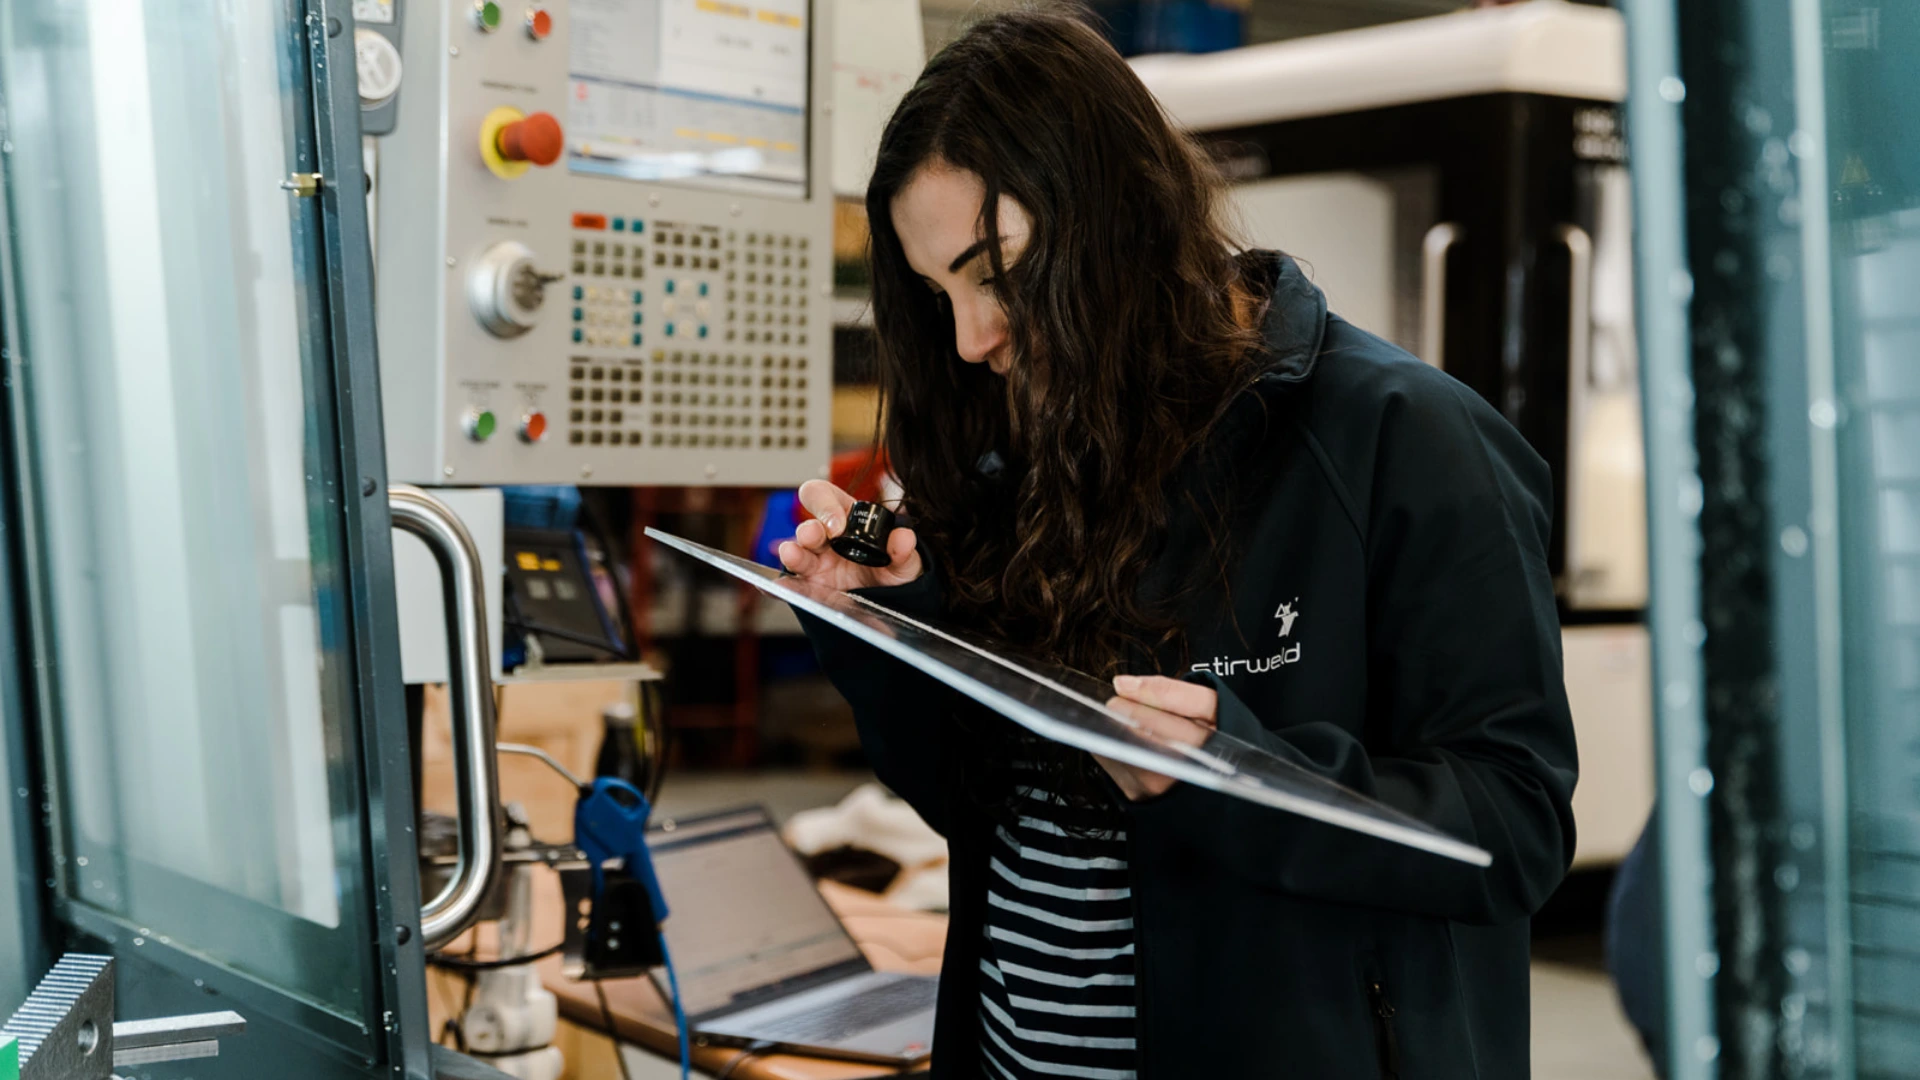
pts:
[1166, 708]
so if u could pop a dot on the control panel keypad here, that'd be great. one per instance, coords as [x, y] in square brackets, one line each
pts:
[688, 336]
[605, 316]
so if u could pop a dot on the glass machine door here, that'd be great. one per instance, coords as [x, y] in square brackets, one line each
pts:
[210, 672]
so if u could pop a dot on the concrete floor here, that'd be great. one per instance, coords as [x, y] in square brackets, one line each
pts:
[1578, 1030]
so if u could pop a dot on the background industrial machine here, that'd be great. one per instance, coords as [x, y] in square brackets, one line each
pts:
[1458, 185]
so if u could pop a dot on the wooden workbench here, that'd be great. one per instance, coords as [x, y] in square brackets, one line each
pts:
[893, 938]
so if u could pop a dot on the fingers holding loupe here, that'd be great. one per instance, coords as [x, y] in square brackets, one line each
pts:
[864, 539]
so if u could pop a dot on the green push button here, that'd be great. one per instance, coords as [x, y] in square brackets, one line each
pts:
[487, 13]
[480, 425]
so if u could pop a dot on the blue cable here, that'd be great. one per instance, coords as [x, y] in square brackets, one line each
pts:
[679, 1014]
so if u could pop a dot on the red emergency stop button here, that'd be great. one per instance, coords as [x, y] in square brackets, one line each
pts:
[533, 427]
[539, 23]
[536, 138]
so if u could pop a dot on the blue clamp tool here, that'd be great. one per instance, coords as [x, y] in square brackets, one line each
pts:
[610, 822]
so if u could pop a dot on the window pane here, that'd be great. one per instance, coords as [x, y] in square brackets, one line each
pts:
[185, 530]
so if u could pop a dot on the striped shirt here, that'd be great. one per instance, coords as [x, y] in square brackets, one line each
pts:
[1057, 958]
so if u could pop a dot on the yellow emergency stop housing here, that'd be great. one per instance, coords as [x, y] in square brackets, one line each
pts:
[490, 129]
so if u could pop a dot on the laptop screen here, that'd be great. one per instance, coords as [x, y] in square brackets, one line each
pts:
[744, 920]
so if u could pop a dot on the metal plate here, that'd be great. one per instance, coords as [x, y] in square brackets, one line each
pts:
[65, 1027]
[1068, 707]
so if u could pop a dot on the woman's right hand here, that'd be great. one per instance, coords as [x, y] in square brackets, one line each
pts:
[809, 556]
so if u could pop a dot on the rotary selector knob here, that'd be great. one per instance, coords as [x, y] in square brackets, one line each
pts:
[376, 67]
[506, 289]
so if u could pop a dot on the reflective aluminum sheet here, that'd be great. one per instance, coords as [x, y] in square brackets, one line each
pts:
[1068, 706]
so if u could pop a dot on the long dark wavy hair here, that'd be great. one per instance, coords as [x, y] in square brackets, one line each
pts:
[1044, 496]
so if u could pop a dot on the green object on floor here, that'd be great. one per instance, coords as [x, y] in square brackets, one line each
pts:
[9, 1058]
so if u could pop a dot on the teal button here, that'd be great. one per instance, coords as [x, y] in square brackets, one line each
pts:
[579, 293]
[638, 296]
[579, 334]
[578, 314]
[669, 329]
[703, 331]
[639, 226]
[669, 286]
[703, 288]
[636, 318]
[619, 224]
[636, 337]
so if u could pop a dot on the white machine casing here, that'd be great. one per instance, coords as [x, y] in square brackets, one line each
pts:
[737, 394]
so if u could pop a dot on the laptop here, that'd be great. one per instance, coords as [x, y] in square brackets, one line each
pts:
[762, 959]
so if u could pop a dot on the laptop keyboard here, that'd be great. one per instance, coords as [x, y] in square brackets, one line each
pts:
[836, 1020]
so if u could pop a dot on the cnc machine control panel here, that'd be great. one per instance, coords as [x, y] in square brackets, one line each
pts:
[604, 246]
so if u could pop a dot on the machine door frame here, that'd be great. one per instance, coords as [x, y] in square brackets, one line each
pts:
[391, 1039]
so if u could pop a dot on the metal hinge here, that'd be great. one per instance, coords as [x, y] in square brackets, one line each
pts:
[304, 184]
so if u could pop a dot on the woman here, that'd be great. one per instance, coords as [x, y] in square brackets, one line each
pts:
[1128, 449]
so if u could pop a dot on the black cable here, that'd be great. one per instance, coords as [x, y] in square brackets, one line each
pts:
[606, 1014]
[754, 1049]
[459, 963]
[543, 630]
[629, 633]
[457, 1023]
[653, 701]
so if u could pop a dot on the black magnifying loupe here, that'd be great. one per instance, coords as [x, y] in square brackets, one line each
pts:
[865, 538]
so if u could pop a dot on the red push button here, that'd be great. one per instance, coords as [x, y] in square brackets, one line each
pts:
[533, 427]
[537, 139]
[539, 23]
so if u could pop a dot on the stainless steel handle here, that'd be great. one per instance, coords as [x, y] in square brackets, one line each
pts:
[1579, 386]
[1433, 291]
[476, 774]
[1579, 305]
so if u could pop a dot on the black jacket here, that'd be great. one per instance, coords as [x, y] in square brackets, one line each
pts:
[1392, 595]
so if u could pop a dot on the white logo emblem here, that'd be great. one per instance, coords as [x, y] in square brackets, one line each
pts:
[1289, 654]
[1286, 615]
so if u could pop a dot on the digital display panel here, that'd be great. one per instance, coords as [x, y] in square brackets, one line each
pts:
[709, 93]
